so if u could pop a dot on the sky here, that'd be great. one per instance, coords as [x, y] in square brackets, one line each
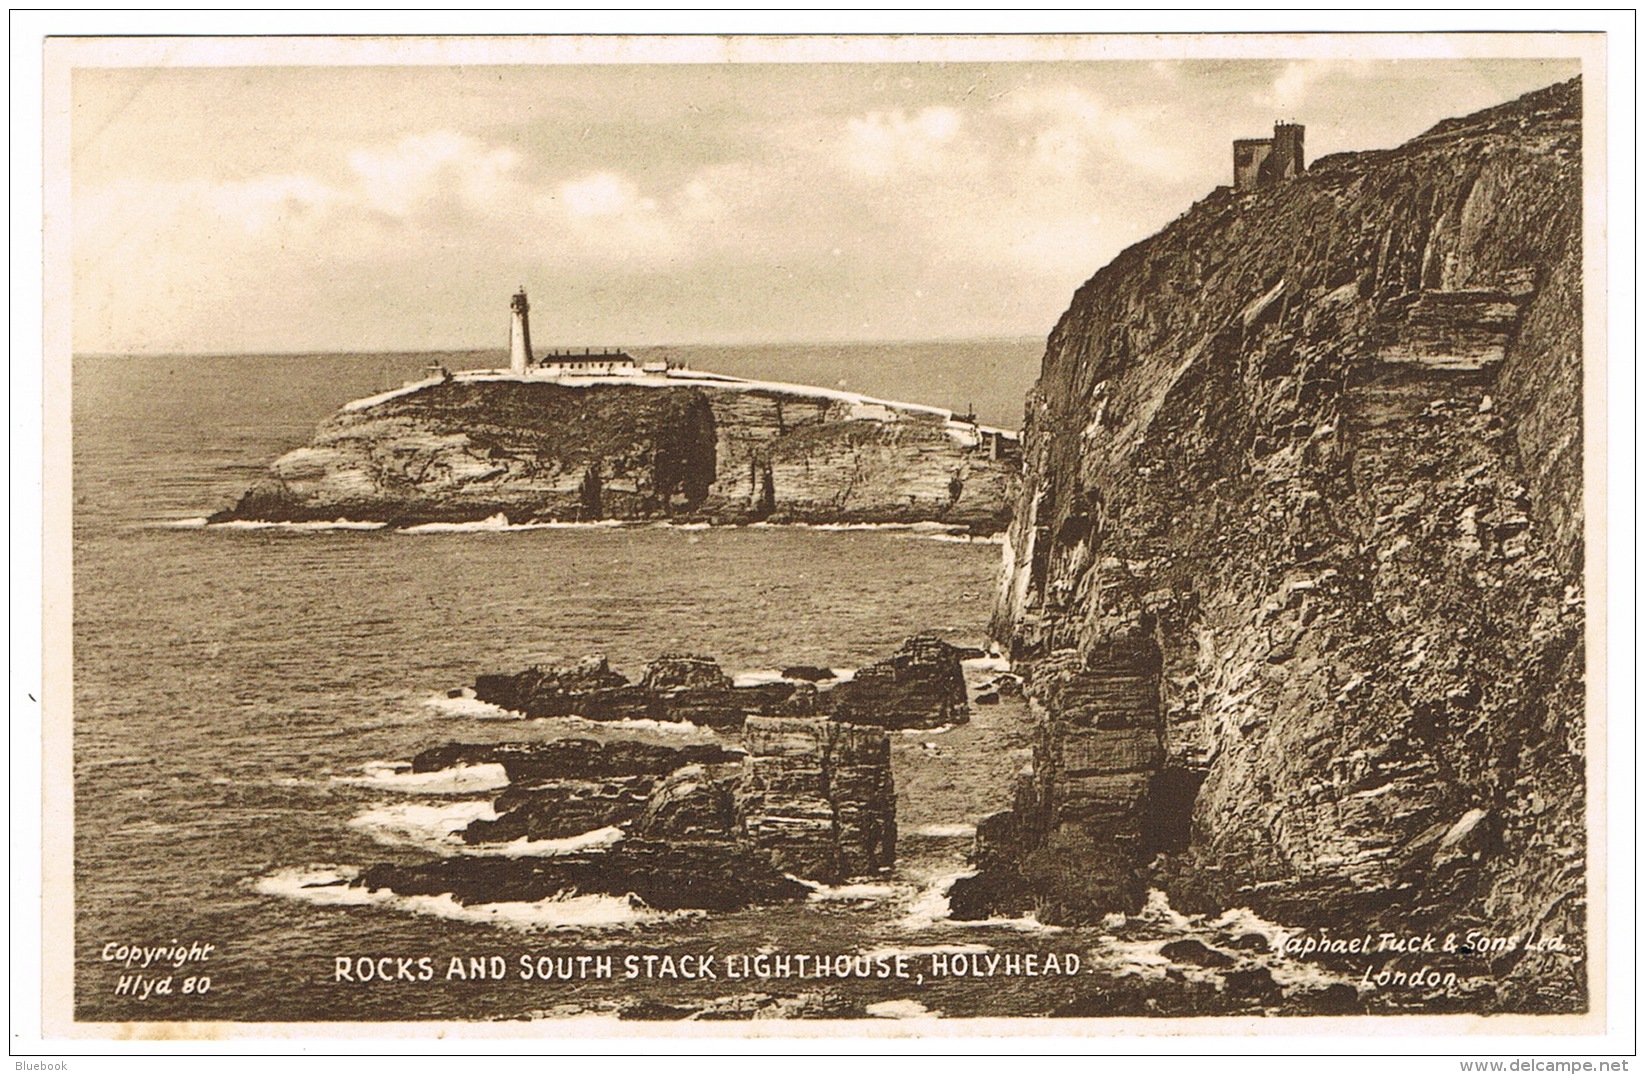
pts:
[290, 208]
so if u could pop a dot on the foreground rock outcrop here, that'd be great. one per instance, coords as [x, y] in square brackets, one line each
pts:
[696, 826]
[1302, 518]
[817, 797]
[920, 686]
[566, 787]
[709, 875]
[686, 447]
[1073, 846]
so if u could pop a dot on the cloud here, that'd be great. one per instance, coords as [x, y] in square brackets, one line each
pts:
[1293, 90]
[1074, 128]
[406, 175]
[883, 143]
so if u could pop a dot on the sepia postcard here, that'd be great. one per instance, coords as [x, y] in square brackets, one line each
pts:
[826, 537]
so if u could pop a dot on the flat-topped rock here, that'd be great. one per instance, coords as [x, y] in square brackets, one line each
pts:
[574, 758]
[817, 797]
[919, 686]
[710, 875]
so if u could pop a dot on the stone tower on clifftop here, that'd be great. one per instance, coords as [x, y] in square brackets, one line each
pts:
[1262, 162]
[519, 333]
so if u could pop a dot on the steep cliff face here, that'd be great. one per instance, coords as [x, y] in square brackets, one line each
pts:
[711, 448]
[1303, 472]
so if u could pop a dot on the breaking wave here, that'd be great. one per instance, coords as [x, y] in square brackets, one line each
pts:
[329, 886]
[464, 705]
[429, 826]
[642, 724]
[302, 527]
[524, 847]
[499, 523]
[862, 890]
[898, 1009]
[954, 830]
[435, 827]
[930, 908]
[457, 780]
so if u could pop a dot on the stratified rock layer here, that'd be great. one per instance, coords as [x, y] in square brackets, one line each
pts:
[572, 758]
[1320, 445]
[919, 686]
[473, 447]
[691, 688]
[811, 798]
[797, 457]
[816, 797]
[1073, 847]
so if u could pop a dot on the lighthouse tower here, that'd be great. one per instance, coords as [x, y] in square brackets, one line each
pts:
[519, 333]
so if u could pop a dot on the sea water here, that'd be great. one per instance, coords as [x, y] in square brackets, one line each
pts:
[246, 700]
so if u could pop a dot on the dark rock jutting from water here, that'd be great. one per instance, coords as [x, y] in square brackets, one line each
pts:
[668, 875]
[675, 687]
[807, 796]
[920, 686]
[817, 797]
[813, 798]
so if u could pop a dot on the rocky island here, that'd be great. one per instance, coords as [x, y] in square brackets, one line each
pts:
[1296, 576]
[563, 440]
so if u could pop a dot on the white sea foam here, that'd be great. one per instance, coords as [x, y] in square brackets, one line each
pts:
[1240, 920]
[465, 706]
[197, 523]
[327, 886]
[595, 840]
[757, 677]
[1158, 909]
[303, 527]
[957, 829]
[1026, 924]
[643, 724]
[430, 826]
[499, 524]
[930, 908]
[495, 522]
[436, 827]
[457, 780]
[986, 666]
[1142, 957]
[898, 1009]
[891, 951]
[859, 891]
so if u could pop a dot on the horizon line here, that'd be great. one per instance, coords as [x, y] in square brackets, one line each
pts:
[503, 350]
